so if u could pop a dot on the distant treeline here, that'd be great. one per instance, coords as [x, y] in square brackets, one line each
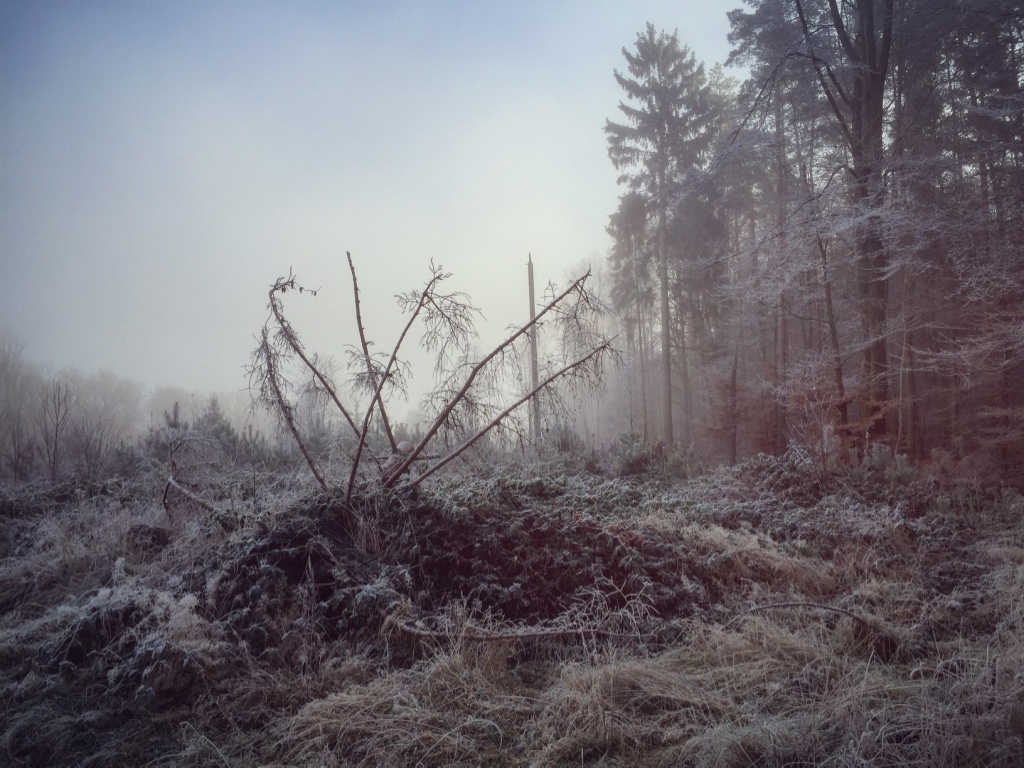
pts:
[96, 425]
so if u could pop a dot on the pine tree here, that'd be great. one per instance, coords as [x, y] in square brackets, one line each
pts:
[664, 140]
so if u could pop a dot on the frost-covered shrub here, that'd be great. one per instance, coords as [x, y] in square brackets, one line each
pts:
[563, 449]
[129, 460]
[879, 457]
[562, 438]
[633, 456]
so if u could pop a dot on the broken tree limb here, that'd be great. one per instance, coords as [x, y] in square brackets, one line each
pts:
[285, 409]
[172, 483]
[291, 338]
[601, 349]
[821, 607]
[524, 633]
[576, 287]
[370, 370]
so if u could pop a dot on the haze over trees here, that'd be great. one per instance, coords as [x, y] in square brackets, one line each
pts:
[829, 251]
[826, 254]
[661, 145]
[99, 425]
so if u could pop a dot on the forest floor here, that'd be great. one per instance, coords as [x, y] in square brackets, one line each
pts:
[768, 614]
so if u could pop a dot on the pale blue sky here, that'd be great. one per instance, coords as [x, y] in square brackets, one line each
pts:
[162, 162]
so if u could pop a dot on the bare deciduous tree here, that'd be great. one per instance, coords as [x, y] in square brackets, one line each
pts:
[106, 410]
[58, 399]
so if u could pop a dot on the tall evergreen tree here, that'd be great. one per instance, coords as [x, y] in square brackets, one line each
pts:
[668, 130]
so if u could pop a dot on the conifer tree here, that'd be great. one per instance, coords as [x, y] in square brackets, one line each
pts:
[668, 130]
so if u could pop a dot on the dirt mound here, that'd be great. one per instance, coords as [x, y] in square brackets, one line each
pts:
[529, 565]
[305, 575]
[515, 565]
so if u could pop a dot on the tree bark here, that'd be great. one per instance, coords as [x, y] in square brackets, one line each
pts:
[641, 332]
[842, 407]
[684, 375]
[733, 412]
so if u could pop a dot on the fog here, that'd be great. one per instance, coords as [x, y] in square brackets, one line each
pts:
[162, 163]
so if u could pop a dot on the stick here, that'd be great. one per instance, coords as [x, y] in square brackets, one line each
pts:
[383, 379]
[369, 368]
[171, 482]
[864, 622]
[527, 634]
[497, 419]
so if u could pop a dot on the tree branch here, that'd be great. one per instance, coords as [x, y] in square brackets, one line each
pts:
[527, 633]
[427, 293]
[847, 134]
[284, 407]
[605, 347]
[292, 339]
[371, 372]
[454, 401]
[771, 606]
[172, 483]
[841, 33]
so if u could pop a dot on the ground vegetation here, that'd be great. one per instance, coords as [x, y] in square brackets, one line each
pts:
[781, 611]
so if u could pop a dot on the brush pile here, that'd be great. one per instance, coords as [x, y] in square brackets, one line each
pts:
[768, 614]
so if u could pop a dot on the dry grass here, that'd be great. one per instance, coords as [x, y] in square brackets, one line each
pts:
[829, 631]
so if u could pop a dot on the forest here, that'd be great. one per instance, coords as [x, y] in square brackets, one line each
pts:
[748, 492]
[829, 250]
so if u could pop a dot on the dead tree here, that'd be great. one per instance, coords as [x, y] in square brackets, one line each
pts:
[468, 391]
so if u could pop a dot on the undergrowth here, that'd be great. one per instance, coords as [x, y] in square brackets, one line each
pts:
[771, 614]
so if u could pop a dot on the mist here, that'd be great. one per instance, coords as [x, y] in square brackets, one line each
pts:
[164, 164]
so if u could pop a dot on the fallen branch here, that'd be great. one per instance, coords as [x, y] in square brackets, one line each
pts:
[291, 338]
[372, 373]
[284, 408]
[602, 348]
[448, 321]
[172, 483]
[379, 385]
[531, 633]
[771, 606]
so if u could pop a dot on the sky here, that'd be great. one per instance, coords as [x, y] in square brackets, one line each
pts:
[163, 162]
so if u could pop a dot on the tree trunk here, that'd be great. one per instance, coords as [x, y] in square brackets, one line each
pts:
[910, 399]
[640, 329]
[833, 337]
[534, 366]
[781, 362]
[733, 412]
[779, 353]
[666, 334]
[684, 375]
[860, 113]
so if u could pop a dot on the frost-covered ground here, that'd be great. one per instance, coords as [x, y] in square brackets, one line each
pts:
[771, 614]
